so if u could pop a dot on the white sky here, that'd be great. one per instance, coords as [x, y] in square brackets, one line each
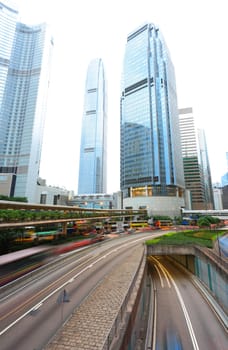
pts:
[196, 34]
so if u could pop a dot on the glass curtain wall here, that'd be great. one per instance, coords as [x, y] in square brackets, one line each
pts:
[24, 107]
[8, 20]
[151, 161]
[93, 150]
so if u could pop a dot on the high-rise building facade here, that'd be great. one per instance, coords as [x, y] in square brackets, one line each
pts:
[23, 109]
[205, 169]
[8, 20]
[151, 162]
[93, 150]
[195, 159]
[224, 178]
[217, 195]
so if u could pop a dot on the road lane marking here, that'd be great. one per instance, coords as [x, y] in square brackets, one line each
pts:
[154, 321]
[165, 274]
[36, 307]
[161, 279]
[157, 266]
[186, 315]
[38, 278]
[64, 284]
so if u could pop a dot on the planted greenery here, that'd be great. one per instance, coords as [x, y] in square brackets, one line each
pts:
[203, 238]
[7, 239]
[14, 215]
[14, 199]
[206, 221]
[24, 215]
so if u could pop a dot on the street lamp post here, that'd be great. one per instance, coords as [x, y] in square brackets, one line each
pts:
[219, 249]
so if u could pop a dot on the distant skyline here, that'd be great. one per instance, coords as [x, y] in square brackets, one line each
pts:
[195, 33]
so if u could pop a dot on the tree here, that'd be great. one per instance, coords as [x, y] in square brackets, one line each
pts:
[207, 221]
[7, 238]
[203, 222]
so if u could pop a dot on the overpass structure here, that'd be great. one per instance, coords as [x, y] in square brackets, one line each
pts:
[221, 214]
[20, 214]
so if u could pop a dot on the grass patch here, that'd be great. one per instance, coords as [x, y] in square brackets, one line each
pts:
[203, 238]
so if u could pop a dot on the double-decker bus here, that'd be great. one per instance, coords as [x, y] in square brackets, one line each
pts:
[84, 227]
[139, 224]
[27, 235]
[163, 223]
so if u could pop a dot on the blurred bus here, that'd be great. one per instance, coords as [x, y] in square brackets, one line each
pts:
[19, 263]
[27, 235]
[163, 224]
[84, 227]
[139, 224]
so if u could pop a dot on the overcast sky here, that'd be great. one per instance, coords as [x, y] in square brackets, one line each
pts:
[196, 34]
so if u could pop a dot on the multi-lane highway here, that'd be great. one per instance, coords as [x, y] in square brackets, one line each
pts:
[32, 313]
[182, 317]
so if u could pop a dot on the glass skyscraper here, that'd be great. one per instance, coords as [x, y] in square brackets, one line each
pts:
[151, 161]
[8, 20]
[93, 150]
[23, 108]
[205, 168]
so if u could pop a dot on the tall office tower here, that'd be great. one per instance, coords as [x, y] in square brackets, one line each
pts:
[151, 173]
[93, 150]
[206, 171]
[23, 108]
[8, 20]
[196, 166]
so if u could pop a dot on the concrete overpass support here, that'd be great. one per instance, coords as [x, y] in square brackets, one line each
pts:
[64, 228]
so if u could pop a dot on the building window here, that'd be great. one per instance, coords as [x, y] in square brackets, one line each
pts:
[43, 199]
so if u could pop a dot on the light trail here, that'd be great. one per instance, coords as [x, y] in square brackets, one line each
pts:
[62, 285]
[184, 309]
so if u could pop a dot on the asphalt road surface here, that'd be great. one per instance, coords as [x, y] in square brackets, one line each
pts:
[31, 314]
[183, 319]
